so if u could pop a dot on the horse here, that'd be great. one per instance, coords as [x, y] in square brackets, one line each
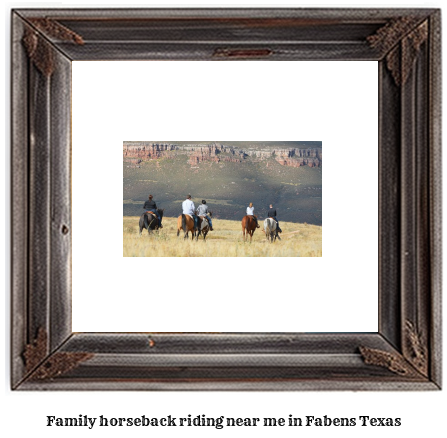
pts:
[204, 226]
[248, 227]
[150, 221]
[186, 223]
[270, 229]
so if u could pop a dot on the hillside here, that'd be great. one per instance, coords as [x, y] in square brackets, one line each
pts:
[227, 180]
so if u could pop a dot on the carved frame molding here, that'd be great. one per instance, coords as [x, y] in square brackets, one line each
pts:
[406, 352]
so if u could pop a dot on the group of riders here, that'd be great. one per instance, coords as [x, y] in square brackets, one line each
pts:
[188, 207]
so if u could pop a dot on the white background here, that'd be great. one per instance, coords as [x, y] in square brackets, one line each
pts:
[423, 414]
[335, 102]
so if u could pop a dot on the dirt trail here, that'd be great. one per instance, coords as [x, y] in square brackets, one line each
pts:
[288, 234]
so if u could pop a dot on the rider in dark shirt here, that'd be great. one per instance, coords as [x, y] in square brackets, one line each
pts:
[272, 213]
[150, 205]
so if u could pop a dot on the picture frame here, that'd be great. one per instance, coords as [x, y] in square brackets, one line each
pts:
[405, 353]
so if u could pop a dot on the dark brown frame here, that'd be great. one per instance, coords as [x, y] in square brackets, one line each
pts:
[405, 354]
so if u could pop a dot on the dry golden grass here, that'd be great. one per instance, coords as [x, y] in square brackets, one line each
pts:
[297, 240]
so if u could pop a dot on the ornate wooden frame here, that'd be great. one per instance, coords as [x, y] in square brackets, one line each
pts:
[405, 354]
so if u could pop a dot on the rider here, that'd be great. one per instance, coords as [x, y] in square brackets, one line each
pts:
[189, 208]
[272, 213]
[151, 206]
[202, 210]
[250, 212]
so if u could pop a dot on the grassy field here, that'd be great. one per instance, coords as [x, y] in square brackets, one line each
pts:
[297, 240]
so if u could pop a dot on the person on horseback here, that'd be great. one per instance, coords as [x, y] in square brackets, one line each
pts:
[202, 210]
[189, 209]
[151, 207]
[251, 211]
[272, 213]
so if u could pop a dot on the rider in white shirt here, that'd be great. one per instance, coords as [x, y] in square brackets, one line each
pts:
[189, 208]
[250, 212]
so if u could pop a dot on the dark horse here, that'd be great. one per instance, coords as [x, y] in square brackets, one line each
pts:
[204, 226]
[150, 221]
[186, 223]
[248, 227]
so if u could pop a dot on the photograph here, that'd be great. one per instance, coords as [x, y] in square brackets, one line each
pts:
[241, 198]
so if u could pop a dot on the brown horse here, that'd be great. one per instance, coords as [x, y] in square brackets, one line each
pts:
[186, 223]
[248, 227]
